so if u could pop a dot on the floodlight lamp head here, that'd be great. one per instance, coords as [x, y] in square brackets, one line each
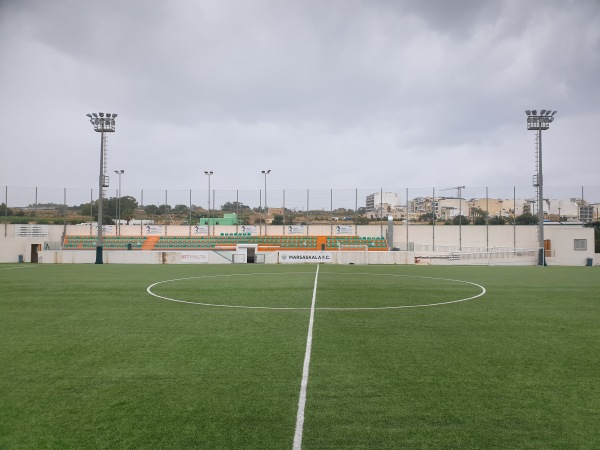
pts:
[543, 113]
[89, 115]
[553, 112]
[95, 115]
[535, 112]
[101, 114]
[114, 115]
[528, 112]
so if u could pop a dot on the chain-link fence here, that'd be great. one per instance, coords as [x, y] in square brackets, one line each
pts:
[447, 205]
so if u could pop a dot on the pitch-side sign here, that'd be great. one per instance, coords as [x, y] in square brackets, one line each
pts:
[194, 258]
[305, 257]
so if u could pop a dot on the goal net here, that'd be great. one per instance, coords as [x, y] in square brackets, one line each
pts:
[353, 254]
[490, 257]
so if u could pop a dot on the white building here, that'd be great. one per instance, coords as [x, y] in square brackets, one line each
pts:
[377, 200]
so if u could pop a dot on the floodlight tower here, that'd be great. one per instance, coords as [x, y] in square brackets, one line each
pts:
[103, 123]
[539, 122]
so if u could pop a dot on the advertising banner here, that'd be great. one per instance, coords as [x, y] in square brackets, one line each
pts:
[305, 257]
[296, 229]
[344, 229]
[154, 229]
[200, 229]
[248, 229]
[194, 258]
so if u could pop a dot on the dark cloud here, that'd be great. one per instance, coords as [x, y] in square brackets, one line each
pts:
[427, 92]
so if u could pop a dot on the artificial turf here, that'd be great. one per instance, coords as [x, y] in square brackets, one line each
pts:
[91, 360]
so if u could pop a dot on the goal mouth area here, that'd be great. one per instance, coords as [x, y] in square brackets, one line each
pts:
[352, 248]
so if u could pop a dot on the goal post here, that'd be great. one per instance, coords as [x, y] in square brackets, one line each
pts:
[353, 254]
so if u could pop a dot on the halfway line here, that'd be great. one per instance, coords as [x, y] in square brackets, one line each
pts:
[302, 401]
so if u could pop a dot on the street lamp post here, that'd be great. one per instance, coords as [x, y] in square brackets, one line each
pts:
[209, 173]
[103, 123]
[265, 173]
[119, 172]
[539, 122]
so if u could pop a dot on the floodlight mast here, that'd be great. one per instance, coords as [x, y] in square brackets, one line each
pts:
[102, 125]
[538, 123]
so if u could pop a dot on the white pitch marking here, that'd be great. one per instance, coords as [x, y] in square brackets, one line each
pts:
[14, 268]
[304, 383]
[483, 292]
[149, 290]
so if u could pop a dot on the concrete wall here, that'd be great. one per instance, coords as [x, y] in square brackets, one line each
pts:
[561, 236]
[212, 257]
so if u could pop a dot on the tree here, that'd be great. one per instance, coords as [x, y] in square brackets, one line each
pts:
[427, 217]
[151, 210]
[497, 220]
[479, 216]
[461, 220]
[233, 207]
[4, 211]
[164, 209]
[181, 210]
[277, 220]
[128, 206]
[526, 219]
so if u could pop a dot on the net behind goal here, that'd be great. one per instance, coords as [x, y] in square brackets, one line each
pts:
[491, 257]
[353, 254]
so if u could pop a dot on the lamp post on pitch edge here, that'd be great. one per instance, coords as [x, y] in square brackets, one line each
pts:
[209, 173]
[103, 123]
[265, 173]
[539, 122]
[119, 172]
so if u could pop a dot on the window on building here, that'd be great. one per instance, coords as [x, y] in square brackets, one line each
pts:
[580, 244]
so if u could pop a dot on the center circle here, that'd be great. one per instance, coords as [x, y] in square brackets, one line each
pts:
[426, 291]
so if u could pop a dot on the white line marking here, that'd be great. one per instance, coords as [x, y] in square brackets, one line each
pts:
[482, 293]
[304, 383]
[18, 267]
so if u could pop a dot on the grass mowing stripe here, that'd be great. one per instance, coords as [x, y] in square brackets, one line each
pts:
[304, 383]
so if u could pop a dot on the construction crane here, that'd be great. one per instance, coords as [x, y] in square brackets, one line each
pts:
[458, 190]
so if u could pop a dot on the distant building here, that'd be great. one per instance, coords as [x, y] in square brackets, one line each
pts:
[227, 219]
[377, 200]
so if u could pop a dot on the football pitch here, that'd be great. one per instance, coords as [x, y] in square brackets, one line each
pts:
[274, 356]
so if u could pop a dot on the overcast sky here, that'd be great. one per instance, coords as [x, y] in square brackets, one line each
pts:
[325, 93]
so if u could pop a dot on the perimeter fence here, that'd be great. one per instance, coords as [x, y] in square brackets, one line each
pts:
[467, 205]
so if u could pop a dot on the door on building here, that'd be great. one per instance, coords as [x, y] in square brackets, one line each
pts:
[250, 255]
[35, 248]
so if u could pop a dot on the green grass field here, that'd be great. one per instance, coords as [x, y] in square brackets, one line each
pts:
[90, 359]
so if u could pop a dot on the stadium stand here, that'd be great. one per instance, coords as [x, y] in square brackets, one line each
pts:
[225, 240]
